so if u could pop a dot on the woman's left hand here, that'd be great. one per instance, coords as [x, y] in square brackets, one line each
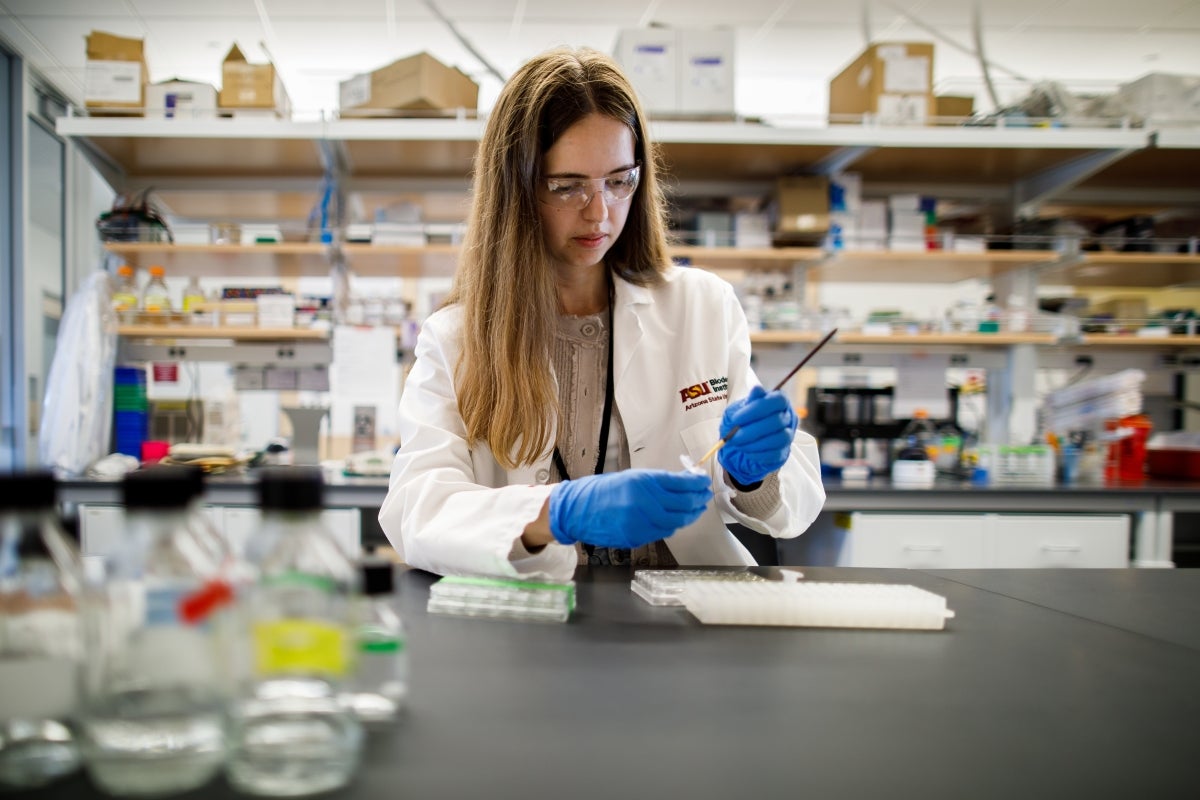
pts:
[766, 426]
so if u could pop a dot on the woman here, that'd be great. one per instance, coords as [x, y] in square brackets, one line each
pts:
[552, 396]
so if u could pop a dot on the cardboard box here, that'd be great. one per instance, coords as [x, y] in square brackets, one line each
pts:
[890, 83]
[419, 82]
[115, 74]
[251, 86]
[705, 72]
[1159, 98]
[176, 98]
[679, 72]
[650, 57]
[803, 203]
[952, 109]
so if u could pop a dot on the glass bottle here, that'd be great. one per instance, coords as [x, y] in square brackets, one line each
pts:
[157, 684]
[379, 686]
[155, 297]
[291, 733]
[193, 295]
[125, 294]
[41, 646]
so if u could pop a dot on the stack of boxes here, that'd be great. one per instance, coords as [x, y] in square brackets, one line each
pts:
[131, 410]
[116, 82]
[680, 72]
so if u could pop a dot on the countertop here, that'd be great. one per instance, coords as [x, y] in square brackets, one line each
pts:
[1046, 683]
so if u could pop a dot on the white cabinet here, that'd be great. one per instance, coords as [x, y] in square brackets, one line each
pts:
[1048, 540]
[963, 541]
[944, 541]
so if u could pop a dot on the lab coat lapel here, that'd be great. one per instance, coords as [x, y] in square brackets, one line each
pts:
[631, 304]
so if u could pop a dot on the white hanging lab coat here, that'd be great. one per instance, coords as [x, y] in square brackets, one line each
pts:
[681, 353]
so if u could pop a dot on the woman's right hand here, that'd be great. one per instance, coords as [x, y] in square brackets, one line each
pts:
[627, 509]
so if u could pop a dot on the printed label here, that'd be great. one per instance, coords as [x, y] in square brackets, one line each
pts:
[300, 646]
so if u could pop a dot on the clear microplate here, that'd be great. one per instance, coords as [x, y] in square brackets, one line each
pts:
[498, 598]
[817, 604]
[664, 587]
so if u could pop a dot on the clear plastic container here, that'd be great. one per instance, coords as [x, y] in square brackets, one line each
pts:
[291, 735]
[665, 587]
[156, 684]
[379, 686]
[42, 646]
[125, 294]
[496, 597]
[156, 299]
[817, 604]
[193, 295]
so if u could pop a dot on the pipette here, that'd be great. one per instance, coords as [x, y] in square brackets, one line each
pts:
[778, 386]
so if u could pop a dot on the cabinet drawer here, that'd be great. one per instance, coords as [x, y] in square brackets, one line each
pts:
[947, 541]
[1048, 540]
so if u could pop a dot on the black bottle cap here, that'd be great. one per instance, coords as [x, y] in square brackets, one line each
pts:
[27, 491]
[291, 488]
[162, 487]
[378, 576]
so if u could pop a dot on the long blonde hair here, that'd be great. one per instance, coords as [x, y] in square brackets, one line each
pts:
[505, 283]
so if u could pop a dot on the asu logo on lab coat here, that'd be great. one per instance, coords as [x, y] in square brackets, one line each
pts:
[708, 391]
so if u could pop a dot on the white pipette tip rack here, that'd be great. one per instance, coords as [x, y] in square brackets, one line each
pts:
[816, 604]
[664, 587]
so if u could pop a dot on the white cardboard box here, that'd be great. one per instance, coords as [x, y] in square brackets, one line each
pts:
[176, 98]
[1161, 98]
[705, 71]
[649, 57]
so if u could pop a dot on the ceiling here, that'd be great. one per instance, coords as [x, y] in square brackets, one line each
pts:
[787, 50]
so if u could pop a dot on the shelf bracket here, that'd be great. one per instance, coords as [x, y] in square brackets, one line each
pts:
[839, 159]
[1031, 192]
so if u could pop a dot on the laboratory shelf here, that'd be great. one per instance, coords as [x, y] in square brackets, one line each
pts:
[226, 260]
[234, 332]
[375, 148]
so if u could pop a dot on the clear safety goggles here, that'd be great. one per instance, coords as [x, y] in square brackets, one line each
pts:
[577, 193]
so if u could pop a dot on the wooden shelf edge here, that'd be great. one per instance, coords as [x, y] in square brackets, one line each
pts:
[221, 332]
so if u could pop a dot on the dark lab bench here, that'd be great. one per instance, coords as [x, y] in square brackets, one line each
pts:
[1046, 683]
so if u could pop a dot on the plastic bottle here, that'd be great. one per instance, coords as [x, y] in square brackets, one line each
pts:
[125, 294]
[156, 685]
[378, 689]
[192, 295]
[42, 646]
[1018, 314]
[949, 442]
[920, 432]
[291, 733]
[155, 297]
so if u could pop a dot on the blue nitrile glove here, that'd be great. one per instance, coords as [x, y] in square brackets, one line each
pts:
[766, 426]
[627, 509]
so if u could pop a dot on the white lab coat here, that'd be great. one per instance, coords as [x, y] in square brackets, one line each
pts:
[451, 509]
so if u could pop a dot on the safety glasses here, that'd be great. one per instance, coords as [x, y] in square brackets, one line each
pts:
[577, 193]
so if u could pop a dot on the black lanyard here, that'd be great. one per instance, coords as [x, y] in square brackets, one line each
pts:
[608, 400]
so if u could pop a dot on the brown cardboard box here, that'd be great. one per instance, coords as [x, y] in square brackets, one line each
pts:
[418, 82]
[803, 204]
[891, 81]
[1125, 307]
[952, 109]
[245, 85]
[115, 74]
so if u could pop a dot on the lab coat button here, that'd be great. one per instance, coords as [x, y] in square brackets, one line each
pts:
[543, 475]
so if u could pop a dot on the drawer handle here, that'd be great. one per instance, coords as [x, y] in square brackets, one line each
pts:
[924, 548]
[1062, 548]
